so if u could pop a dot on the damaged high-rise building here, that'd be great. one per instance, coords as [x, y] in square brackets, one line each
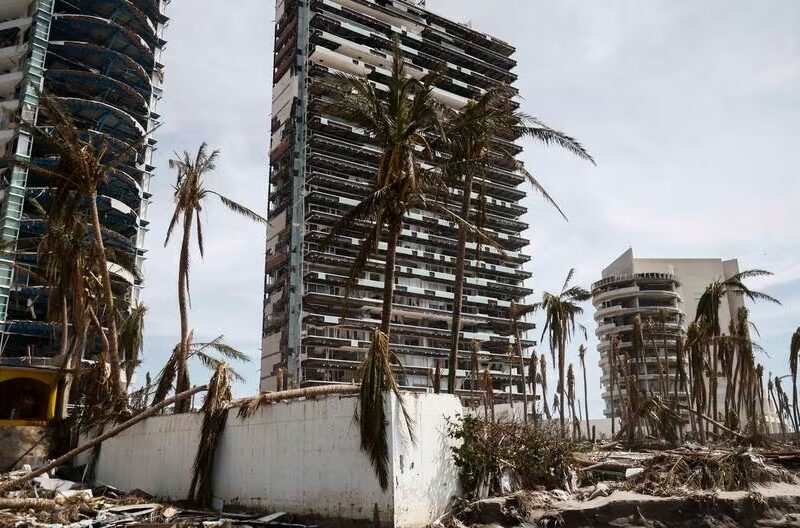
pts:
[321, 166]
[662, 293]
[101, 60]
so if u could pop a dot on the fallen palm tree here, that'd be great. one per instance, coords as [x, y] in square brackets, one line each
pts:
[248, 406]
[13, 484]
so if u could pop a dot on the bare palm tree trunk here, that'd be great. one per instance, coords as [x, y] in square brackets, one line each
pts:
[182, 381]
[794, 400]
[68, 359]
[534, 363]
[586, 398]
[778, 410]
[113, 347]
[562, 345]
[612, 361]
[395, 228]
[458, 291]
[666, 356]
[510, 380]
[715, 378]
[518, 340]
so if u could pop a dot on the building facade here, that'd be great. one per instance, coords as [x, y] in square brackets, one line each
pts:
[322, 166]
[101, 60]
[663, 294]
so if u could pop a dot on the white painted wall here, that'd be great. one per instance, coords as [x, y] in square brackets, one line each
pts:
[301, 457]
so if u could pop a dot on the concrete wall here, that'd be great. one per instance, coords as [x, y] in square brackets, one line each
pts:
[20, 445]
[301, 457]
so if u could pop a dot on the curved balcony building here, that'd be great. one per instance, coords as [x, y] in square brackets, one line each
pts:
[101, 60]
[662, 294]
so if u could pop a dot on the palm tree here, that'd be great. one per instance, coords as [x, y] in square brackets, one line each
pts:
[189, 195]
[470, 141]
[582, 356]
[560, 311]
[794, 352]
[399, 124]
[708, 307]
[83, 165]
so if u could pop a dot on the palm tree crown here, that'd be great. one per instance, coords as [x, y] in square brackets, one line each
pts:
[560, 311]
[709, 303]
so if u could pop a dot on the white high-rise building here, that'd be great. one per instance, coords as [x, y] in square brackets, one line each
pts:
[663, 293]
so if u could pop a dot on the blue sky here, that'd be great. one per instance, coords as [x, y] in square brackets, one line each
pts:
[691, 109]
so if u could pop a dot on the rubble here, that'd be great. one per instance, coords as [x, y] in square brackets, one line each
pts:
[49, 502]
[658, 487]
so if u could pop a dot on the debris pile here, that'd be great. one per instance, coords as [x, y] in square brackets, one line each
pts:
[610, 482]
[678, 473]
[49, 502]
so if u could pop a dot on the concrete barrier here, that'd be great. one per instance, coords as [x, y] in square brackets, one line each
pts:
[301, 457]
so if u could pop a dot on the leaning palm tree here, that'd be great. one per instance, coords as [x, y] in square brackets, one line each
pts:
[582, 356]
[470, 140]
[190, 193]
[83, 165]
[560, 311]
[708, 308]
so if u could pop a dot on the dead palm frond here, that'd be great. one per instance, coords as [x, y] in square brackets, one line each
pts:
[543, 381]
[377, 379]
[533, 367]
[215, 415]
[131, 339]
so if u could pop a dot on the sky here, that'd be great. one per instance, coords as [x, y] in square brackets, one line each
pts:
[690, 109]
